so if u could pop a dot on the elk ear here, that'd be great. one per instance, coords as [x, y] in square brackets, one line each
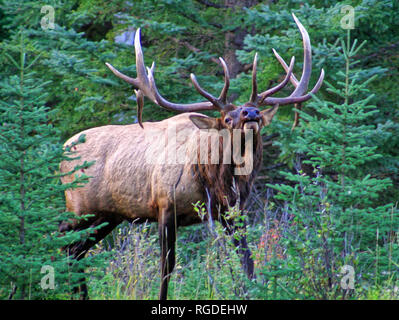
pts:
[268, 114]
[204, 122]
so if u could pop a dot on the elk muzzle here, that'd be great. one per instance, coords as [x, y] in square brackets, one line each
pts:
[250, 118]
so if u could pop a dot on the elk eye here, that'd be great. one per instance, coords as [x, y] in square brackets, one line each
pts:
[227, 120]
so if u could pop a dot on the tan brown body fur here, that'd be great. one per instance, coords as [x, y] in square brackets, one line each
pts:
[123, 183]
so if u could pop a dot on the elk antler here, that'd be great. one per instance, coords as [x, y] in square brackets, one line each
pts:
[146, 86]
[297, 96]
[221, 102]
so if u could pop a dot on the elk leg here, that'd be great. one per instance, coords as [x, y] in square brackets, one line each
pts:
[167, 239]
[79, 249]
[243, 250]
[246, 260]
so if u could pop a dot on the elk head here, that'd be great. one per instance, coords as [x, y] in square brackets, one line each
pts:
[247, 116]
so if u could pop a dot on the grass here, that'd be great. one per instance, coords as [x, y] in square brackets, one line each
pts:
[208, 267]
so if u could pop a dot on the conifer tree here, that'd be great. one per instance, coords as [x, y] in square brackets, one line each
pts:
[32, 264]
[336, 216]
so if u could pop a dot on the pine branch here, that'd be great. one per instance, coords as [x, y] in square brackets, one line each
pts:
[211, 4]
[192, 48]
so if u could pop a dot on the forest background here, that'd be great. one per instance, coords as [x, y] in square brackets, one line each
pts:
[322, 219]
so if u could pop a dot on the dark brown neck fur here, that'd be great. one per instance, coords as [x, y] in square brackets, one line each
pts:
[223, 186]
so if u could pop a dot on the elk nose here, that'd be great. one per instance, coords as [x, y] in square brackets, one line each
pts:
[250, 114]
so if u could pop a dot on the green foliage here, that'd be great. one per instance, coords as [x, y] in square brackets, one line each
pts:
[31, 202]
[338, 187]
[336, 218]
[207, 267]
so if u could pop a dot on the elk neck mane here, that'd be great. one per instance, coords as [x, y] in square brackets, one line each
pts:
[219, 180]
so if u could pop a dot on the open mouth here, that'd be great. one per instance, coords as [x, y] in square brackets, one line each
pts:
[251, 124]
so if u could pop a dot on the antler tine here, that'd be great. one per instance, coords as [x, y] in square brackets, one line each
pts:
[140, 67]
[223, 94]
[258, 98]
[161, 101]
[220, 102]
[140, 105]
[254, 94]
[290, 100]
[201, 91]
[301, 86]
[293, 79]
[122, 76]
[307, 60]
[281, 85]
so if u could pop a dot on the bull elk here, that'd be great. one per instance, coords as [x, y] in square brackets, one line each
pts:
[127, 183]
